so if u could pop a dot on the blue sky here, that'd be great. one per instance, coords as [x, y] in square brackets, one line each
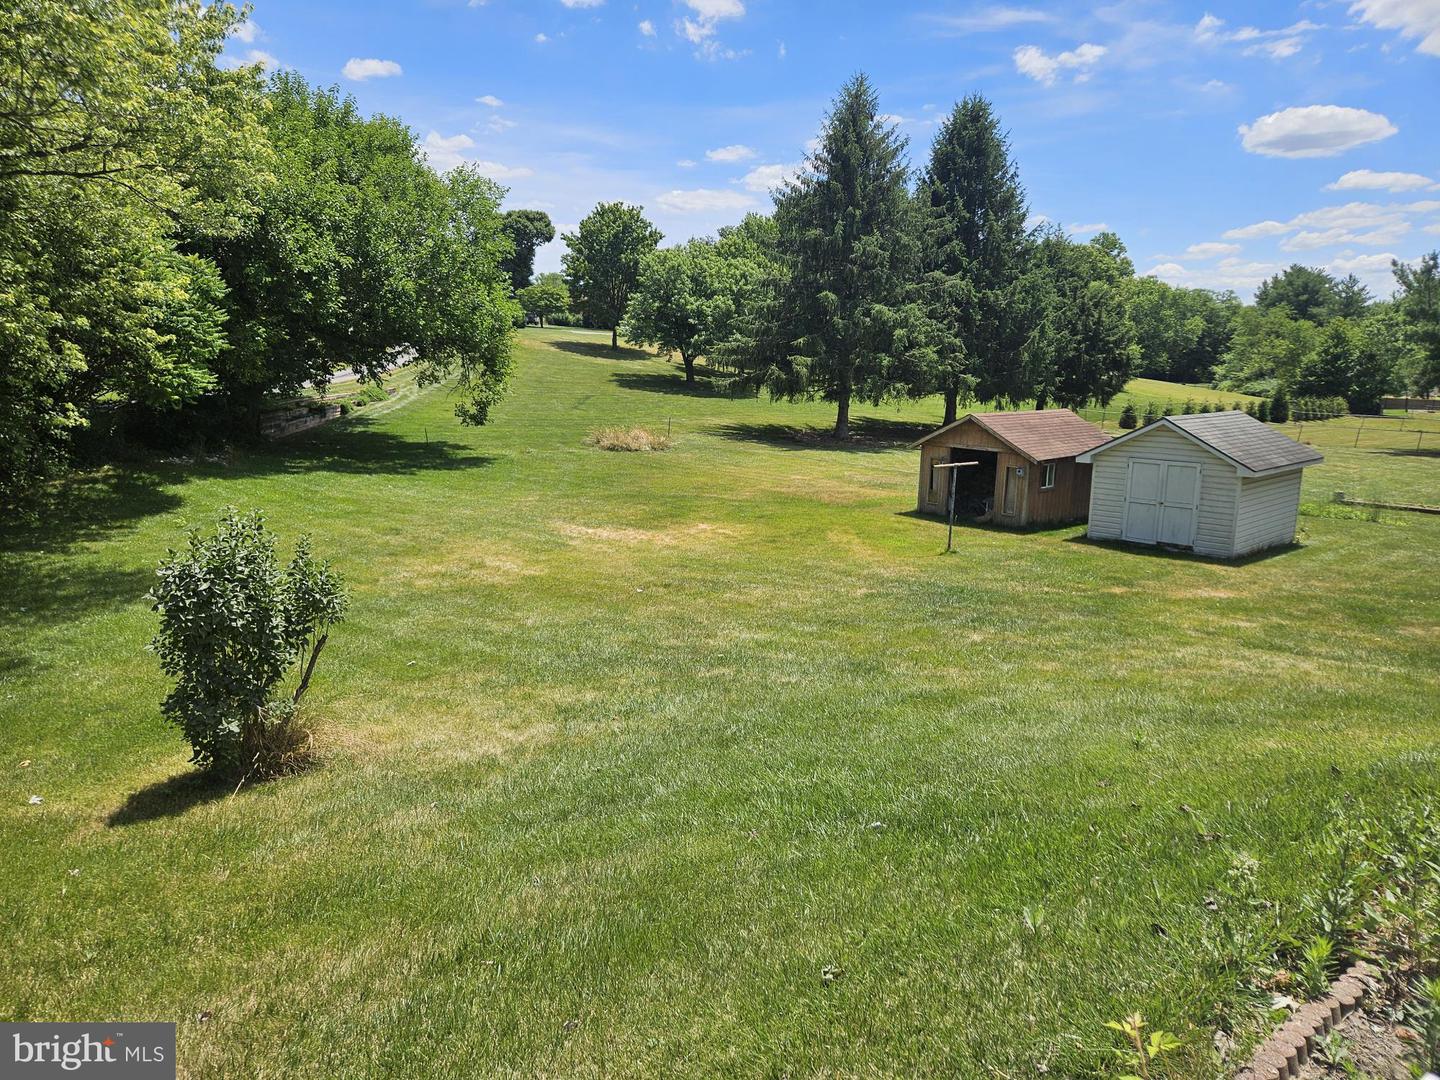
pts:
[1222, 141]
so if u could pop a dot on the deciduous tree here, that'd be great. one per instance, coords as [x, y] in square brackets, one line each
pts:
[528, 230]
[602, 264]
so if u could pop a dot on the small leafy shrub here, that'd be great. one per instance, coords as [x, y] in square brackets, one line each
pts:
[1128, 420]
[1189, 408]
[1251, 410]
[1139, 1056]
[233, 623]
[1169, 409]
[1150, 414]
[1262, 411]
[1317, 962]
[1204, 407]
[637, 439]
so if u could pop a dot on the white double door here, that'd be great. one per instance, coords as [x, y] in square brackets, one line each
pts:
[1161, 498]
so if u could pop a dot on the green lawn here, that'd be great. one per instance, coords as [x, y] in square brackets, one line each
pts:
[622, 750]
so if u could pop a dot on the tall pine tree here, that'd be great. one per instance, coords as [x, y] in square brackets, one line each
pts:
[973, 215]
[836, 322]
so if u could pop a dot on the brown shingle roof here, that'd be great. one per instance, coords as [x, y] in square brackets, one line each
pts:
[1040, 435]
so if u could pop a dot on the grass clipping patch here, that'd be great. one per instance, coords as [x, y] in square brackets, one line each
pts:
[630, 439]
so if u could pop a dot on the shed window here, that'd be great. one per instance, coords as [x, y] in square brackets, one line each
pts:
[1047, 476]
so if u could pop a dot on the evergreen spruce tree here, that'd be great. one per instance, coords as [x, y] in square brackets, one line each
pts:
[973, 215]
[836, 321]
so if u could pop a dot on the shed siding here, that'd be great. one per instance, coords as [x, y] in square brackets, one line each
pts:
[1068, 500]
[1219, 489]
[1268, 508]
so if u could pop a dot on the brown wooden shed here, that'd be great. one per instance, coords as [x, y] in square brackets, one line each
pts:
[1026, 472]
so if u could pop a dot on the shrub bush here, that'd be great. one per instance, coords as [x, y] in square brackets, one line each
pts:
[1150, 414]
[1169, 409]
[1279, 407]
[233, 622]
[1189, 408]
[1262, 411]
[1127, 417]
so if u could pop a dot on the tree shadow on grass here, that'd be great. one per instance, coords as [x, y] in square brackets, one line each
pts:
[1424, 452]
[601, 350]
[351, 447]
[868, 435]
[658, 382]
[169, 798]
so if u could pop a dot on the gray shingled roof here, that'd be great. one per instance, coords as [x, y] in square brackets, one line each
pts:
[1249, 442]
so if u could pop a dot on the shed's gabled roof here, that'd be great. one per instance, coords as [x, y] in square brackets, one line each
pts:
[1255, 447]
[1038, 434]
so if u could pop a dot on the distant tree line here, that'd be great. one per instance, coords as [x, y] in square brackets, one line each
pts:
[177, 237]
[869, 283]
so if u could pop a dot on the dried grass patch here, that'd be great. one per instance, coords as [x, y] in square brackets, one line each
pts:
[634, 439]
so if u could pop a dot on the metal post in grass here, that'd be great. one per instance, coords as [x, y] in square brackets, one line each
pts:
[952, 466]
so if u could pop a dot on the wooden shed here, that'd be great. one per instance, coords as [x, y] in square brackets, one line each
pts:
[1026, 472]
[1222, 484]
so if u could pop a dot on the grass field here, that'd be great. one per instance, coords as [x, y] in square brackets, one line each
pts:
[622, 751]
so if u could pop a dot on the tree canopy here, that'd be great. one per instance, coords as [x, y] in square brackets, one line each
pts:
[172, 229]
[602, 263]
[545, 299]
[527, 230]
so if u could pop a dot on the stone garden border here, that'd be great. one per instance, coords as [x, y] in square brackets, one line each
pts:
[1290, 1047]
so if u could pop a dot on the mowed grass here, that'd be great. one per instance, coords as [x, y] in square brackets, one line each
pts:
[623, 750]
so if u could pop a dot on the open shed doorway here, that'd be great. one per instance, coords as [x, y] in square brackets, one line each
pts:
[974, 487]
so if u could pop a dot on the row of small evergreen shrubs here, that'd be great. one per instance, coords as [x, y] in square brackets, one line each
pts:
[1274, 410]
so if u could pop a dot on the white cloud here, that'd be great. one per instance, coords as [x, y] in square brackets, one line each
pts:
[247, 31]
[541, 39]
[1278, 49]
[703, 200]
[983, 20]
[1087, 230]
[1351, 264]
[1045, 69]
[1211, 250]
[647, 28]
[1238, 274]
[498, 124]
[1413, 18]
[1257, 231]
[491, 100]
[700, 31]
[1314, 131]
[444, 152]
[764, 178]
[685, 163]
[266, 60]
[1372, 224]
[737, 152]
[358, 69]
[582, 3]
[1368, 179]
[1034, 221]
[780, 50]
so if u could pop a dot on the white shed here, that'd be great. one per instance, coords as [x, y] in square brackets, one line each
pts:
[1222, 484]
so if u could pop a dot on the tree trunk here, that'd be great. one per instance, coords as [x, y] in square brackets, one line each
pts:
[542, 322]
[689, 362]
[952, 398]
[842, 414]
[1041, 400]
[615, 338]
